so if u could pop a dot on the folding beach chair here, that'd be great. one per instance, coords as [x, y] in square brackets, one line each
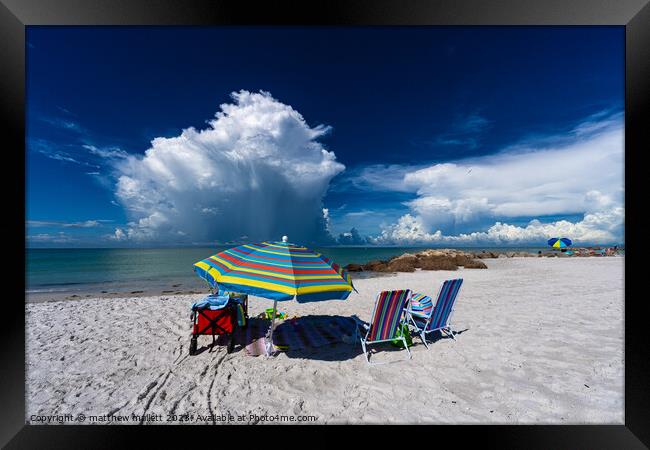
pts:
[426, 318]
[387, 318]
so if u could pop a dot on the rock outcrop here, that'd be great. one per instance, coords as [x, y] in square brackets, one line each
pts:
[452, 259]
[430, 259]
[475, 264]
[438, 263]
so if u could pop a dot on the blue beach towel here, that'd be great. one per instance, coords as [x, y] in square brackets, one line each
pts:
[212, 302]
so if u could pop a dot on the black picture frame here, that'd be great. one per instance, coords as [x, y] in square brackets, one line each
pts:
[15, 15]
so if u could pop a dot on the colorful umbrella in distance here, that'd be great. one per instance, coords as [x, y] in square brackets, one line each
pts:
[278, 271]
[559, 242]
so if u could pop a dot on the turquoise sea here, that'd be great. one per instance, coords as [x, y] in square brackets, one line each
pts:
[154, 269]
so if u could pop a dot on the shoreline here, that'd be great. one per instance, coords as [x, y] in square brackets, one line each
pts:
[138, 272]
[196, 286]
[136, 289]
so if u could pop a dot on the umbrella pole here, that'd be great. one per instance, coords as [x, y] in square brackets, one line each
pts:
[275, 307]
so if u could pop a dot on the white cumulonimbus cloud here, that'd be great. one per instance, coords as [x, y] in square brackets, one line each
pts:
[257, 172]
[579, 175]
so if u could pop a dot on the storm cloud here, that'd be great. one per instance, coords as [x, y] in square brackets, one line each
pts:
[256, 172]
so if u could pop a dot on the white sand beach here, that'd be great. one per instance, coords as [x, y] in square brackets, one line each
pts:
[541, 341]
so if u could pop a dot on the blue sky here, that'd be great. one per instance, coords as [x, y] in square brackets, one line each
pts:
[448, 135]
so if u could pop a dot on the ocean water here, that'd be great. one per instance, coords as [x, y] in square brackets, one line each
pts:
[146, 269]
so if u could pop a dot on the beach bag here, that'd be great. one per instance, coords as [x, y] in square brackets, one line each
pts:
[403, 330]
[257, 347]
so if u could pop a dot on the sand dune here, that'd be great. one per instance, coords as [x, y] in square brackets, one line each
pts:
[541, 341]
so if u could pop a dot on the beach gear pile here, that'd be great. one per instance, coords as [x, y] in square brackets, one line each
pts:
[279, 271]
[219, 314]
[221, 300]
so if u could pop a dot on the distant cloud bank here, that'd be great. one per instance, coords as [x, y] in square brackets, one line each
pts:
[580, 173]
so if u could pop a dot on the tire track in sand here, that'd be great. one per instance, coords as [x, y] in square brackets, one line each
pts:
[154, 395]
[216, 370]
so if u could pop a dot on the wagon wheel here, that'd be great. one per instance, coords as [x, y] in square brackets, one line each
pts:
[233, 332]
[193, 345]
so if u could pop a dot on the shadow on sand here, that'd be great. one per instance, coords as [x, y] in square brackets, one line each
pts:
[435, 336]
[319, 337]
[329, 338]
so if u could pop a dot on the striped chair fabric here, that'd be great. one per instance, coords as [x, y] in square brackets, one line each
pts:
[444, 304]
[421, 304]
[388, 313]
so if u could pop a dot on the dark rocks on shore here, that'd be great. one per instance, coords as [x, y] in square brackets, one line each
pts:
[483, 255]
[404, 263]
[461, 260]
[401, 265]
[475, 264]
[376, 266]
[381, 268]
[432, 259]
[438, 263]
[450, 259]
[354, 267]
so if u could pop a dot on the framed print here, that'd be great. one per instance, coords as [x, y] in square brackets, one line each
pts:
[342, 213]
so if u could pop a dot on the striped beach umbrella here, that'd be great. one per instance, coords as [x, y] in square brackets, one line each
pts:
[278, 271]
[559, 242]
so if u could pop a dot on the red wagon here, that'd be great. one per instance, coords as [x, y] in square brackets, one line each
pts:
[217, 322]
